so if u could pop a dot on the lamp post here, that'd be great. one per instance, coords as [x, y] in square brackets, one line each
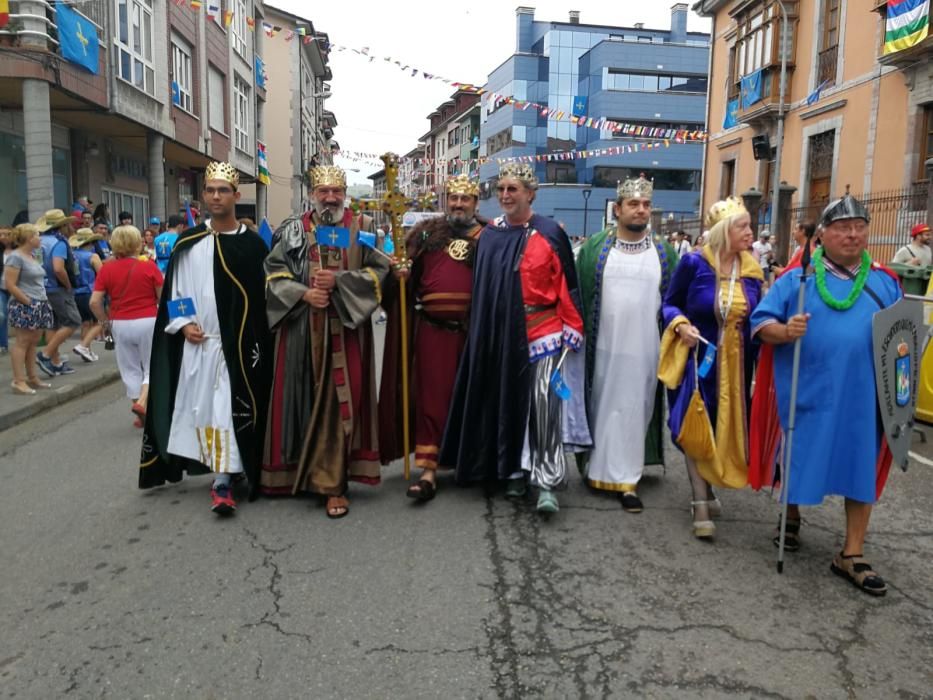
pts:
[782, 239]
[586, 206]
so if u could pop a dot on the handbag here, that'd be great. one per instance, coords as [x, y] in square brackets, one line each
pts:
[696, 432]
[109, 342]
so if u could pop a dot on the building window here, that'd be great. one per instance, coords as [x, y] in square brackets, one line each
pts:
[675, 180]
[820, 156]
[133, 202]
[241, 114]
[181, 75]
[727, 182]
[655, 82]
[215, 12]
[216, 96]
[926, 142]
[133, 43]
[239, 27]
[829, 43]
[758, 37]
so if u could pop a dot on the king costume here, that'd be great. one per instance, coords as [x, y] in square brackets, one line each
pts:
[838, 436]
[322, 428]
[207, 402]
[504, 417]
[622, 284]
[440, 295]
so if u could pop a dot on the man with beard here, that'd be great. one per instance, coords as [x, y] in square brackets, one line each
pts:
[507, 420]
[623, 277]
[440, 252]
[210, 369]
[321, 294]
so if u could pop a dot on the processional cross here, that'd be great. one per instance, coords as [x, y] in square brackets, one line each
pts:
[395, 204]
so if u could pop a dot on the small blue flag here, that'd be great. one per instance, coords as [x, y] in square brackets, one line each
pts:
[560, 388]
[732, 114]
[709, 357]
[579, 106]
[180, 307]
[77, 37]
[367, 238]
[388, 246]
[190, 214]
[814, 96]
[265, 232]
[176, 93]
[333, 236]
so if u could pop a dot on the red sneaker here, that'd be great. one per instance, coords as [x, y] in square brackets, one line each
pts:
[222, 500]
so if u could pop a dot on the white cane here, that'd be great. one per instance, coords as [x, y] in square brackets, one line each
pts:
[792, 419]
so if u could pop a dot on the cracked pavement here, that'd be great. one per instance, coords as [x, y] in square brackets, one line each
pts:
[108, 591]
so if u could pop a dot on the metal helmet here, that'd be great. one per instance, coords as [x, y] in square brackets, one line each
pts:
[846, 207]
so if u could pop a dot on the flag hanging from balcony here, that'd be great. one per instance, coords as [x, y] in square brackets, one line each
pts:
[751, 89]
[263, 176]
[732, 114]
[907, 24]
[4, 13]
[77, 37]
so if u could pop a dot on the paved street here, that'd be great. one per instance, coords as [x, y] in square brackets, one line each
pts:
[108, 591]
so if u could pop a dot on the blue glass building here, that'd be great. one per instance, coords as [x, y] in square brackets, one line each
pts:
[651, 77]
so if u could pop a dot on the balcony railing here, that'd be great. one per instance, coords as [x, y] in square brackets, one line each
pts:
[826, 70]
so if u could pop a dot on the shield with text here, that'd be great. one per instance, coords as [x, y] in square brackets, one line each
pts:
[897, 341]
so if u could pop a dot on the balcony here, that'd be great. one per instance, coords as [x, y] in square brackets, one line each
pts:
[826, 68]
[762, 112]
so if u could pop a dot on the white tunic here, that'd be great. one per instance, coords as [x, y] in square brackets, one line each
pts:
[202, 422]
[625, 375]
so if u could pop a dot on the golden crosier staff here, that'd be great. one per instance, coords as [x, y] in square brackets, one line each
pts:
[395, 204]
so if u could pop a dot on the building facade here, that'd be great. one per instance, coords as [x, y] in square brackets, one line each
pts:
[174, 88]
[854, 118]
[298, 129]
[451, 122]
[651, 77]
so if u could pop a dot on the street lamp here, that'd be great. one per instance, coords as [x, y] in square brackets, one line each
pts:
[586, 206]
[783, 241]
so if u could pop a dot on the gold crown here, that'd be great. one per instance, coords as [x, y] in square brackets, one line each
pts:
[328, 176]
[222, 171]
[635, 188]
[519, 171]
[726, 209]
[462, 184]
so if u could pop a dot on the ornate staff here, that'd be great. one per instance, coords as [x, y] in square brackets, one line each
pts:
[395, 204]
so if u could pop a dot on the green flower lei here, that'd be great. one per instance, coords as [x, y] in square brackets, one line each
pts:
[832, 302]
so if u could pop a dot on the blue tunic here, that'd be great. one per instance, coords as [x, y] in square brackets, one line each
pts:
[838, 431]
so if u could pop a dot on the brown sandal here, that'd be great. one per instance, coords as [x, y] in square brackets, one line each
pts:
[422, 490]
[337, 507]
[859, 573]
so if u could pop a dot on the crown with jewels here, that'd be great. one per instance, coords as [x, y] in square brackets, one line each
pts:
[726, 209]
[462, 184]
[635, 188]
[520, 171]
[222, 171]
[328, 176]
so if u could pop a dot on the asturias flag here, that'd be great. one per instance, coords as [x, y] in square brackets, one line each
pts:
[579, 106]
[907, 24]
[77, 37]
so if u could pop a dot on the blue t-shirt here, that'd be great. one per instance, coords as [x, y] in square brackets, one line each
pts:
[53, 246]
[86, 274]
[164, 243]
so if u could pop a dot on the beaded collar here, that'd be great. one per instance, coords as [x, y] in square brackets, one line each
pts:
[632, 248]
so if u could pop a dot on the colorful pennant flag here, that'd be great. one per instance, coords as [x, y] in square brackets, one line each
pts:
[263, 176]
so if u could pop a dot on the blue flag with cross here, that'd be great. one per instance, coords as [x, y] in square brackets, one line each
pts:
[333, 236]
[77, 38]
[180, 307]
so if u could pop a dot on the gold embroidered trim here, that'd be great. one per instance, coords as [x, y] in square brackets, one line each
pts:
[376, 284]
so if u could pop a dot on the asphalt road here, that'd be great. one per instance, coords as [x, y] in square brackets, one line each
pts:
[108, 591]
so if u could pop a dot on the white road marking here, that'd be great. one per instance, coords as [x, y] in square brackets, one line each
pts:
[922, 460]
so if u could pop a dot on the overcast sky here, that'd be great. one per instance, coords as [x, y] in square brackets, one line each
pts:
[379, 108]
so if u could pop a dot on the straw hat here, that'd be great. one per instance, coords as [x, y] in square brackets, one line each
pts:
[83, 236]
[53, 218]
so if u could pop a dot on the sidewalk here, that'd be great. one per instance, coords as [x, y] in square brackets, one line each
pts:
[87, 377]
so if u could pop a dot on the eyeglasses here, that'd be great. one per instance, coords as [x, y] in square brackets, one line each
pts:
[209, 191]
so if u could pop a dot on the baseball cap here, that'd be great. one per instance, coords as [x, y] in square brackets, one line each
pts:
[154, 221]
